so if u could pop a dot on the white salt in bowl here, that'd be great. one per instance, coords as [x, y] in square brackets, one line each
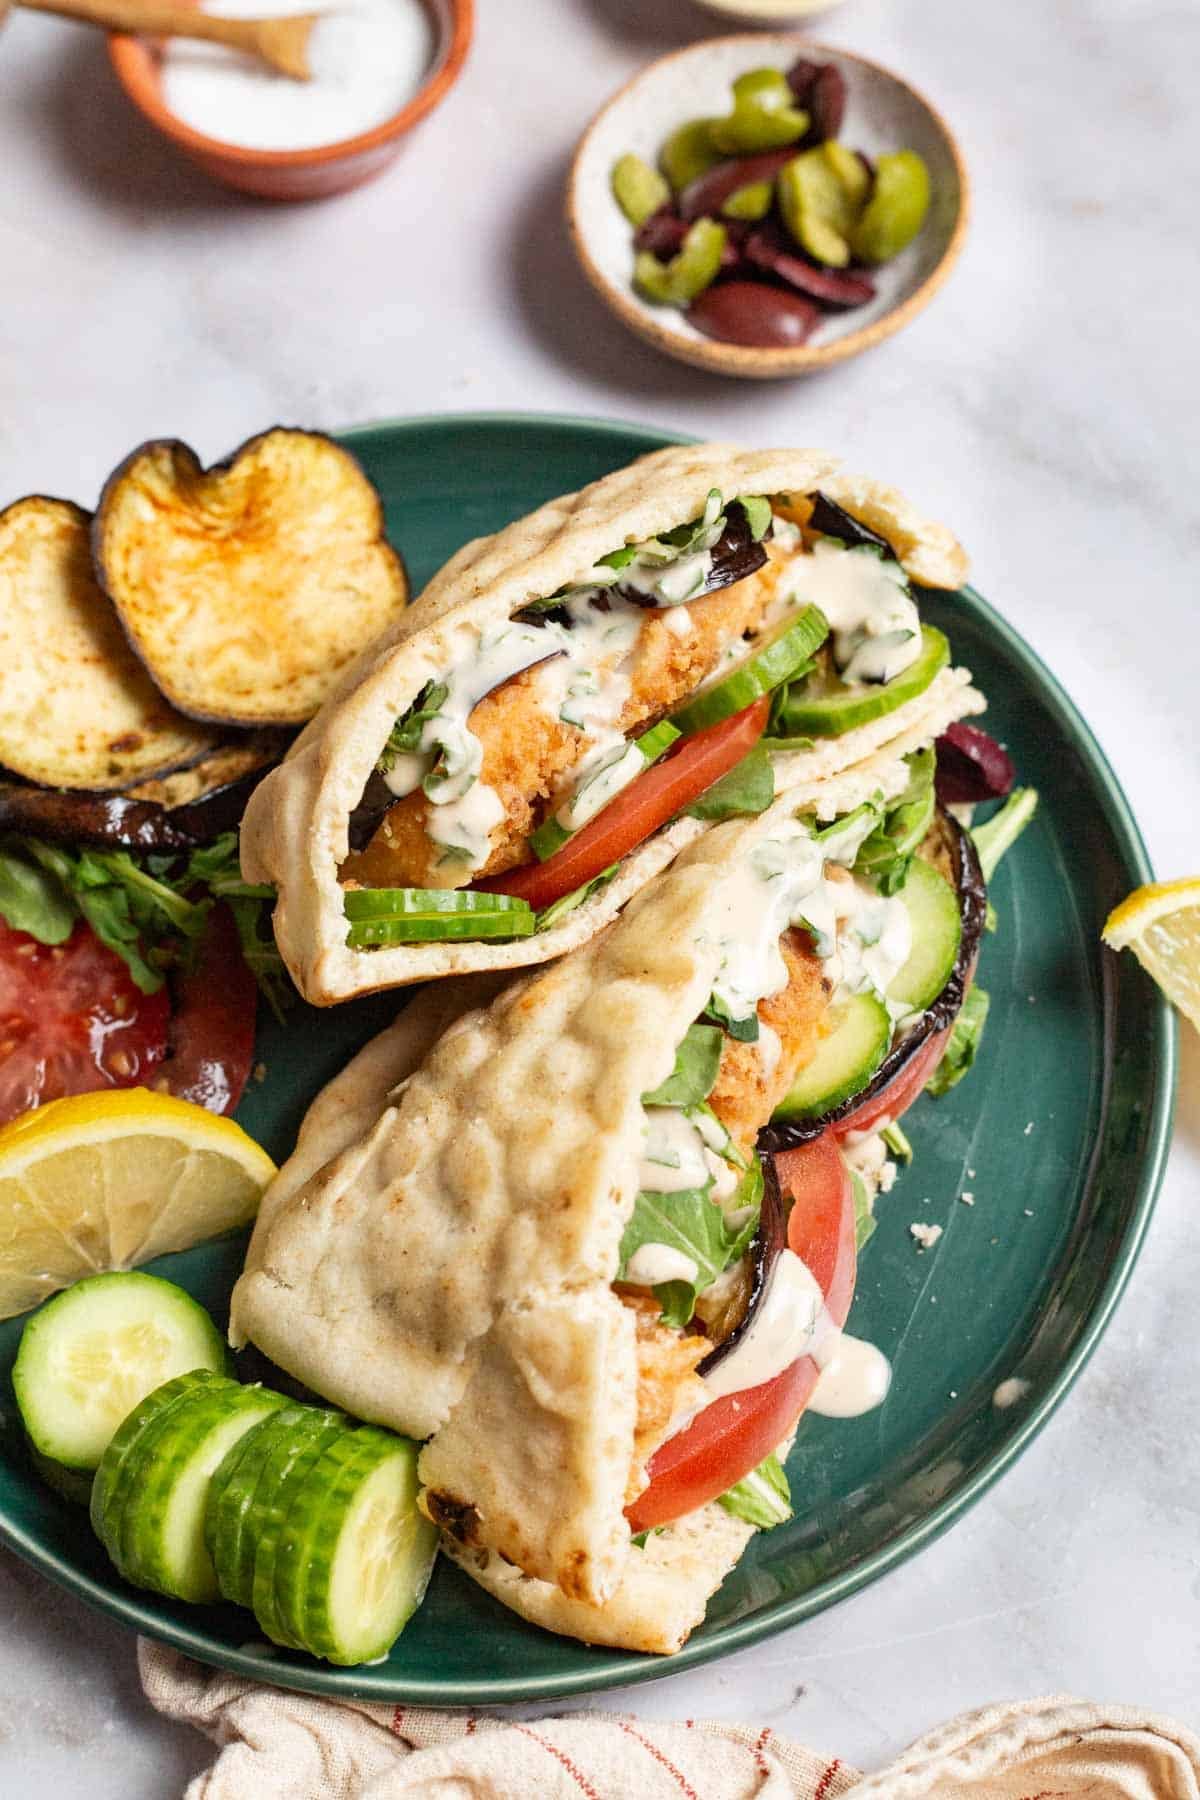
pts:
[882, 113]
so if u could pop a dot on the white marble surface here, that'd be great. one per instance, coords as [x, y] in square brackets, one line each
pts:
[1046, 404]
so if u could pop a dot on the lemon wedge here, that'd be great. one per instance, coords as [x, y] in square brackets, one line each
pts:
[1160, 923]
[108, 1180]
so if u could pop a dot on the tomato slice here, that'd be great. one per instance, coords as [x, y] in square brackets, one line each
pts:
[72, 1020]
[900, 1092]
[689, 767]
[212, 1021]
[733, 1435]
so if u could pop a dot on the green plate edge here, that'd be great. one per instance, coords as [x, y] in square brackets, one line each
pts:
[616, 1669]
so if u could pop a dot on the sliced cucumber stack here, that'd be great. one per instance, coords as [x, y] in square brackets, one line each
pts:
[826, 706]
[431, 915]
[251, 1469]
[845, 1060]
[775, 659]
[933, 910]
[356, 1553]
[154, 1522]
[93, 1352]
[109, 1487]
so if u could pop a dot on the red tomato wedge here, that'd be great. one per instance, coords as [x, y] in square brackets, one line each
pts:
[733, 1435]
[212, 1021]
[683, 774]
[900, 1092]
[72, 1021]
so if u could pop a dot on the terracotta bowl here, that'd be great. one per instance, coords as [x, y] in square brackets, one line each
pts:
[883, 113]
[300, 174]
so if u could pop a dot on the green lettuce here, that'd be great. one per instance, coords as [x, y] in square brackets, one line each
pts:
[689, 1221]
[696, 1063]
[963, 1042]
[748, 788]
[763, 1497]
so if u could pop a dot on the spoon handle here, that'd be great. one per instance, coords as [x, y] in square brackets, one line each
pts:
[157, 18]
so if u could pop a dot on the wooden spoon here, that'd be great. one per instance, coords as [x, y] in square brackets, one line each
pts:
[282, 42]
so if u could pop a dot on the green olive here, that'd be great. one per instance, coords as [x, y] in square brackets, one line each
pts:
[763, 117]
[896, 210]
[638, 189]
[750, 202]
[693, 268]
[688, 152]
[820, 198]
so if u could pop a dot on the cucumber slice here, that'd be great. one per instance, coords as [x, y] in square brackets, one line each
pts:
[772, 661]
[845, 1060]
[268, 1519]
[162, 1532]
[142, 1421]
[73, 1484]
[425, 915]
[825, 706]
[936, 930]
[239, 1490]
[358, 1551]
[93, 1352]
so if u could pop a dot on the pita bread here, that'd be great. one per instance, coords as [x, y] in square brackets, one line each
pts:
[296, 829]
[438, 1254]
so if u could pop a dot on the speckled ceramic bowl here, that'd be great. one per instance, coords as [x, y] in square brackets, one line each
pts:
[299, 174]
[883, 113]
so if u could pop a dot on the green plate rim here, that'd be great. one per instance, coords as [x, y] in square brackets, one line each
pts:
[633, 1668]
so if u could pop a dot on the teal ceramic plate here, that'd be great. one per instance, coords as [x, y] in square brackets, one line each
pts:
[1059, 1134]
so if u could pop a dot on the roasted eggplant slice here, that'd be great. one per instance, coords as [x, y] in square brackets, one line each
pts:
[77, 710]
[769, 1240]
[178, 812]
[247, 588]
[951, 850]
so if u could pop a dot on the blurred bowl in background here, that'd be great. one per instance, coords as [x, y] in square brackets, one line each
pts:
[767, 12]
[883, 113]
[311, 174]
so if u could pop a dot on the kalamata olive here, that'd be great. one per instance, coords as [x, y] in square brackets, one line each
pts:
[662, 233]
[827, 102]
[709, 192]
[752, 313]
[801, 78]
[971, 766]
[769, 250]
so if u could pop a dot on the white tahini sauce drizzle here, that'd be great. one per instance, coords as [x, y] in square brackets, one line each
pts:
[865, 938]
[792, 1321]
[651, 1264]
[368, 58]
[854, 1379]
[873, 619]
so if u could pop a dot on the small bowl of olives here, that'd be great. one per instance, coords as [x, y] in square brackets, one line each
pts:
[764, 206]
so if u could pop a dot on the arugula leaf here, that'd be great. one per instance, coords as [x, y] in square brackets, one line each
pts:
[558, 909]
[886, 854]
[1001, 831]
[405, 736]
[688, 1221]
[33, 898]
[742, 1031]
[963, 1042]
[864, 1217]
[696, 1063]
[748, 788]
[763, 1497]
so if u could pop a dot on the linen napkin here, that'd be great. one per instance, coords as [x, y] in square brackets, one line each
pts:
[277, 1745]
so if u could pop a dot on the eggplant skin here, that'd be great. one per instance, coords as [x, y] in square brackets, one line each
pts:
[769, 1240]
[971, 889]
[246, 588]
[735, 555]
[111, 821]
[832, 520]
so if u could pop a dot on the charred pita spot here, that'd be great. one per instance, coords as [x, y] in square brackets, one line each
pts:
[456, 1517]
[133, 740]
